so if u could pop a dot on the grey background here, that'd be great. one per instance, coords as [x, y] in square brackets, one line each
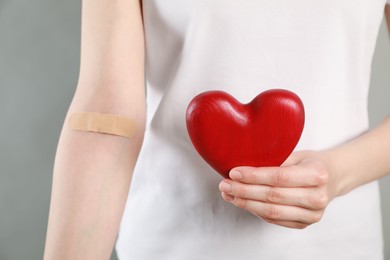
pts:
[39, 65]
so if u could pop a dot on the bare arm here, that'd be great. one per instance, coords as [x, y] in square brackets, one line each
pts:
[368, 153]
[92, 171]
[297, 194]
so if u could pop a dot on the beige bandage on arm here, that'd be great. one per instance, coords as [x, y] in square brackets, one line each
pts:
[102, 123]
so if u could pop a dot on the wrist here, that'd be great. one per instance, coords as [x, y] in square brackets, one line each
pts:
[341, 177]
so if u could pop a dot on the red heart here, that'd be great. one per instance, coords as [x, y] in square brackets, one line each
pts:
[228, 134]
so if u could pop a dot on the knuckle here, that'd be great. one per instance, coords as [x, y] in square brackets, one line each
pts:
[273, 195]
[319, 201]
[272, 212]
[279, 177]
[315, 217]
[322, 201]
[243, 191]
[252, 177]
[241, 203]
[321, 176]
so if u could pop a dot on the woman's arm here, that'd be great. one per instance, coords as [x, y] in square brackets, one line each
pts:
[296, 194]
[92, 171]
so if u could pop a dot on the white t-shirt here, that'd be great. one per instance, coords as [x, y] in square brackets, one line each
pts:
[321, 50]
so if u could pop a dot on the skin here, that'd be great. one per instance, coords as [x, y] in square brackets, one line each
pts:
[92, 171]
[296, 194]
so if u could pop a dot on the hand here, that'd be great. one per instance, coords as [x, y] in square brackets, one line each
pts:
[294, 195]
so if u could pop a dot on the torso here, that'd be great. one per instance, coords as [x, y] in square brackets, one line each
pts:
[321, 50]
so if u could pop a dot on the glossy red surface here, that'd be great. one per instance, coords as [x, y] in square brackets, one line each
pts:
[227, 133]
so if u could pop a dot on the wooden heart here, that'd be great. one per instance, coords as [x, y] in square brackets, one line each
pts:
[228, 134]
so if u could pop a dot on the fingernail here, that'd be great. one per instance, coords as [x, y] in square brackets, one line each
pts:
[234, 174]
[225, 187]
[227, 196]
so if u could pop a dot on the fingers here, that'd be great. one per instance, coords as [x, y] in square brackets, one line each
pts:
[286, 176]
[289, 224]
[295, 217]
[310, 198]
[294, 195]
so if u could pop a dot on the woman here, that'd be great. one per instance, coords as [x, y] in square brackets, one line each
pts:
[323, 202]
